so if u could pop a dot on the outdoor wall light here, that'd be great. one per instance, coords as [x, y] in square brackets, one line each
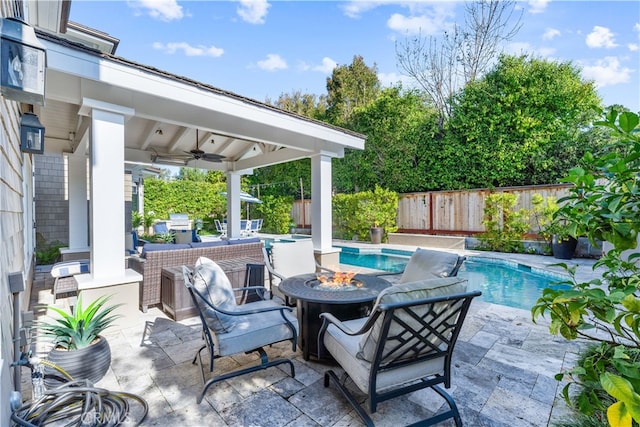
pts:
[22, 62]
[31, 134]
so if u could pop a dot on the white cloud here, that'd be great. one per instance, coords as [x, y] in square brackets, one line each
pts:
[524, 48]
[327, 66]
[253, 11]
[600, 37]
[354, 9]
[189, 50]
[607, 72]
[538, 6]
[164, 10]
[272, 63]
[390, 79]
[633, 47]
[550, 34]
[637, 27]
[433, 23]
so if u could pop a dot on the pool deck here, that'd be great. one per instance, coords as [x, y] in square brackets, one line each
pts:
[504, 367]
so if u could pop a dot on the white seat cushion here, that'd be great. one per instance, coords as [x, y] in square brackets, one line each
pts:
[343, 347]
[291, 259]
[255, 330]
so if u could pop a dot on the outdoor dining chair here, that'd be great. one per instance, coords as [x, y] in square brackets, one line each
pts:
[230, 329]
[287, 259]
[406, 344]
[221, 228]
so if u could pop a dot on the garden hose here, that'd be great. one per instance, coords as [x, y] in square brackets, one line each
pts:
[75, 402]
[78, 403]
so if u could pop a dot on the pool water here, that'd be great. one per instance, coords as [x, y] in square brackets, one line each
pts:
[501, 282]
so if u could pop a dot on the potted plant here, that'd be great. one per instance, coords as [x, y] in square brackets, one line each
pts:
[375, 233]
[553, 228]
[78, 347]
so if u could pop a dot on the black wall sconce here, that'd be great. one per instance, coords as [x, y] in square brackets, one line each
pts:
[31, 134]
[22, 62]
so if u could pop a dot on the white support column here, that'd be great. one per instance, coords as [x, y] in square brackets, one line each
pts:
[106, 166]
[77, 192]
[78, 212]
[321, 221]
[233, 204]
[108, 275]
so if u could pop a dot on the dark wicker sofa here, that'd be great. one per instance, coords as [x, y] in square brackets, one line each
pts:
[155, 257]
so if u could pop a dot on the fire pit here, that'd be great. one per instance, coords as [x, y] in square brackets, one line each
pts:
[339, 281]
[345, 295]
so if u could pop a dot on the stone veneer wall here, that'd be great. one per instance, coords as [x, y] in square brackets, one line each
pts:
[52, 205]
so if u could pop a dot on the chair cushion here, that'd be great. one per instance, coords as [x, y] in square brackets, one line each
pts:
[293, 258]
[212, 282]
[428, 288]
[208, 244]
[425, 263]
[151, 247]
[69, 268]
[255, 330]
[243, 241]
[343, 347]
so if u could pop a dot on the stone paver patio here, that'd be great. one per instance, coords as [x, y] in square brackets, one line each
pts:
[504, 369]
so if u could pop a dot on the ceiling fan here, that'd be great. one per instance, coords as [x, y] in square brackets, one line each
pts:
[198, 154]
[194, 154]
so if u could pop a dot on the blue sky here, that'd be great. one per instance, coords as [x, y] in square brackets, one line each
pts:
[260, 49]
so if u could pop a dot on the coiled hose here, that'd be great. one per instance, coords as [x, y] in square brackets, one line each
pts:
[79, 403]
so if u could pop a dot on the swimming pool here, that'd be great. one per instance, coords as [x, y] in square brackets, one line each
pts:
[501, 281]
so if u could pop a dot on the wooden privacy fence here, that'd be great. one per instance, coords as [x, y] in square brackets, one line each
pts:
[457, 212]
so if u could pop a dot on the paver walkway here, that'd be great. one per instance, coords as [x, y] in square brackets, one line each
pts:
[503, 375]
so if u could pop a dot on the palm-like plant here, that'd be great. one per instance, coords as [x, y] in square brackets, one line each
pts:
[79, 329]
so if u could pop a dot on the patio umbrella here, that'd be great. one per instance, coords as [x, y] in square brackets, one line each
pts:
[245, 197]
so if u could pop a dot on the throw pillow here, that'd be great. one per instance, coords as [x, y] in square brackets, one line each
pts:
[425, 263]
[212, 282]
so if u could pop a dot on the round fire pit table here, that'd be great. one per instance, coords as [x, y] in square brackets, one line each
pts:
[312, 299]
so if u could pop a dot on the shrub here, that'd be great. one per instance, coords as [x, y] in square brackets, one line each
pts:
[505, 228]
[603, 205]
[355, 214]
[48, 253]
[276, 214]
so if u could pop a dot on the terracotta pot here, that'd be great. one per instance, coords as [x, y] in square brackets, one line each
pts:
[90, 363]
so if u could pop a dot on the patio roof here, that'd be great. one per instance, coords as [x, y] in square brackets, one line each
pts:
[167, 110]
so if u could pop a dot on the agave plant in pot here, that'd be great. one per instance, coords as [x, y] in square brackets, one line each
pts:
[78, 348]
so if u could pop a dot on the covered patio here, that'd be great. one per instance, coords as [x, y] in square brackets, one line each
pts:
[107, 114]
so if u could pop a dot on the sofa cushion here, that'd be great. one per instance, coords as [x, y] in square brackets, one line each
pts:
[212, 282]
[243, 241]
[425, 263]
[208, 244]
[421, 289]
[151, 247]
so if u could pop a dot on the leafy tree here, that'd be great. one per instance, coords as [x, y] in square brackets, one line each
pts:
[304, 104]
[276, 212]
[522, 124]
[442, 67]
[603, 205]
[399, 127]
[349, 87]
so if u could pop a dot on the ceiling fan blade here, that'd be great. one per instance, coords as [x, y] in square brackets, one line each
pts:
[210, 157]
